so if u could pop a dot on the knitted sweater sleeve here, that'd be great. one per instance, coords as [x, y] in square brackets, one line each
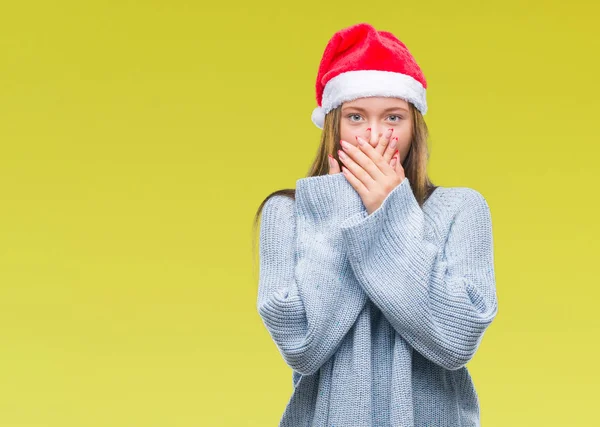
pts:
[440, 299]
[304, 298]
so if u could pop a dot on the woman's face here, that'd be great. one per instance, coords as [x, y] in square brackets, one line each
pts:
[380, 114]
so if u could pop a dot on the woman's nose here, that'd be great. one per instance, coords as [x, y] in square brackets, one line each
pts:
[374, 136]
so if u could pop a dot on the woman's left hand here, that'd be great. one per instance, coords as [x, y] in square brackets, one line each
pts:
[368, 172]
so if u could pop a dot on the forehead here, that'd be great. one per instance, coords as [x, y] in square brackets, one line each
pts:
[376, 103]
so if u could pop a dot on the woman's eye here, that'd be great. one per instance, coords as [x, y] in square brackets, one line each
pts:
[351, 116]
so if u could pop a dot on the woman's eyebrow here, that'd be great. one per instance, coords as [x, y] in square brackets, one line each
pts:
[386, 110]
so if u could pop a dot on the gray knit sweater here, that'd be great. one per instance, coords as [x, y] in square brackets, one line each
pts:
[377, 314]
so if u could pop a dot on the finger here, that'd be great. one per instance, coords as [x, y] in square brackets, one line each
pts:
[384, 142]
[397, 165]
[376, 165]
[366, 158]
[391, 149]
[334, 166]
[355, 142]
[394, 162]
[399, 168]
[355, 182]
[359, 171]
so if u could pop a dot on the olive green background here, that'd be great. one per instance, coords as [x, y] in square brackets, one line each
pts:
[137, 140]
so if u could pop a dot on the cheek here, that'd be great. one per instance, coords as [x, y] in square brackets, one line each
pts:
[403, 143]
[404, 149]
[345, 133]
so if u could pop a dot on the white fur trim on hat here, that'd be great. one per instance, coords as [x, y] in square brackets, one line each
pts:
[365, 83]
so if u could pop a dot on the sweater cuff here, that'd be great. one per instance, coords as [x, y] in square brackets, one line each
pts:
[361, 230]
[327, 197]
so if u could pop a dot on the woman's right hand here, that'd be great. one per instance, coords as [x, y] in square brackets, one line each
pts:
[383, 147]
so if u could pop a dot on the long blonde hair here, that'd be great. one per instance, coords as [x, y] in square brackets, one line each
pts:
[415, 163]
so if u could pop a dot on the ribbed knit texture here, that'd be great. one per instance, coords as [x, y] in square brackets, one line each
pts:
[377, 314]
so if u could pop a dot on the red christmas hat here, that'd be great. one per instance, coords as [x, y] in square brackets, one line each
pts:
[360, 61]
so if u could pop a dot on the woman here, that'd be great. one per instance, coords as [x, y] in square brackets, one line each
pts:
[375, 288]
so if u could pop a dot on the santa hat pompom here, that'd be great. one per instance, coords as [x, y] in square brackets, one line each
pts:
[318, 117]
